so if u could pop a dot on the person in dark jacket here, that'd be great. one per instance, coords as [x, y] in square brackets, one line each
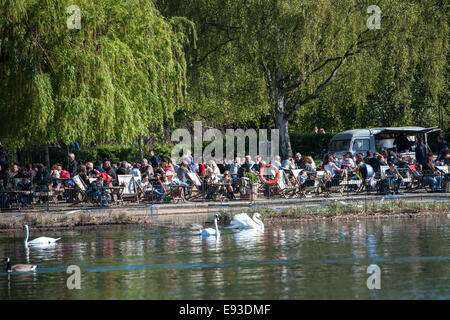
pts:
[72, 165]
[154, 160]
[421, 152]
[4, 164]
[110, 171]
[26, 197]
[123, 169]
[442, 146]
[3, 195]
[402, 143]
[99, 166]
[97, 189]
[42, 180]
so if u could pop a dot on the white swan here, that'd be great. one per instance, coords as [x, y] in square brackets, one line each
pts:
[243, 221]
[40, 240]
[210, 231]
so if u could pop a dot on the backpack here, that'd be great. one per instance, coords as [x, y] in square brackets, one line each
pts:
[64, 174]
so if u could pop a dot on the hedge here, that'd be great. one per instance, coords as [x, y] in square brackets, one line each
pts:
[311, 144]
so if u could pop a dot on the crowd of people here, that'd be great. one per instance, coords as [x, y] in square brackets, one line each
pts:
[32, 178]
[424, 164]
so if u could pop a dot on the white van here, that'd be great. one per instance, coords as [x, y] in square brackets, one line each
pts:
[375, 139]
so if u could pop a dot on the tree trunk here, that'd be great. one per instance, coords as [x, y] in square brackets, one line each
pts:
[281, 123]
[141, 151]
[47, 156]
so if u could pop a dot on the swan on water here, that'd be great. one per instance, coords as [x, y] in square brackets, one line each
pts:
[243, 221]
[210, 231]
[19, 267]
[40, 240]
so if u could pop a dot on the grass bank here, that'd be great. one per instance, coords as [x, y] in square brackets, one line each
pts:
[329, 211]
[344, 210]
[69, 221]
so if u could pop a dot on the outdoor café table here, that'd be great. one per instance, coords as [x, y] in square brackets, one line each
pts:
[14, 195]
[220, 187]
[118, 192]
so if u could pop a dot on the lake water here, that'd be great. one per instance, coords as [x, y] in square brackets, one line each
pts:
[320, 260]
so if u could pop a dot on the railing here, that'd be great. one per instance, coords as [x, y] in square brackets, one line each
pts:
[62, 193]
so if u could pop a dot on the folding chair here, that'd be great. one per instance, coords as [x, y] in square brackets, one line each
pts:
[285, 189]
[82, 189]
[130, 191]
[195, 190]
[349, 184]
[330, 184]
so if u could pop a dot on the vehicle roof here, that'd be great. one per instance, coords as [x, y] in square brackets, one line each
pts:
[366, 132]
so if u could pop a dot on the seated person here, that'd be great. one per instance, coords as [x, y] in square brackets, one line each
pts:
[302, 178]
[107, 179]
[445, 158]
[431, 175]
[42, 180]
[392, 158]
[394, 177]
[380, 162]
[82, 173]
[211, 178]
[26, 197]
[228, 179]
[149, 189]
[307, 163]
[402, 162]
[347, 162]
[91, 171]
[3, 195]
[97, 189]
[329, 165]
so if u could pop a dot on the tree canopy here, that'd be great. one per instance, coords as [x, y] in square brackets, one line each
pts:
[121, 73]
[316, 62]
[289, 64]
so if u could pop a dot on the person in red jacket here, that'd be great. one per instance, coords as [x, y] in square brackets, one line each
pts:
[202, 168]
[106, 177]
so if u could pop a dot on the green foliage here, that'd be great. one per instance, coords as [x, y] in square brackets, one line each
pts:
[120, 74]
[315, 63]
[310, 144]
[163, 150]
[254, 179]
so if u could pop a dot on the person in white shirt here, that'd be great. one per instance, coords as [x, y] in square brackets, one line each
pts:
[136, 173]
[347, 162]
[214, 167]
[277, 162]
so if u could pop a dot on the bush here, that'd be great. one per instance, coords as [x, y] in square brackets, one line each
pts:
[310, 144]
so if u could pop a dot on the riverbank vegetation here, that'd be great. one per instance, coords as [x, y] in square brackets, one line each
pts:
[330, 211]
[347, 210]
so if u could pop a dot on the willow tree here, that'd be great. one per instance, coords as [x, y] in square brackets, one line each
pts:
[303, 50]
[110, 78]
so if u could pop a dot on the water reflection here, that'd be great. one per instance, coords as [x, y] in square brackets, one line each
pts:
[312, 260]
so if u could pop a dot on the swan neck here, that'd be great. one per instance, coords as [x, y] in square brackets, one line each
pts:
[217, 228]
[28, 233]
[259, 222]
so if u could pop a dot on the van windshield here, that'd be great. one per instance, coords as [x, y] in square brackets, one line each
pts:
[340, 145]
